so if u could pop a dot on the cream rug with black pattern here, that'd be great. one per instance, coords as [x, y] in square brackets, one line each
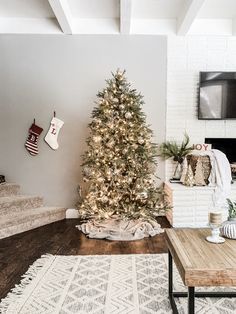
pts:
[108, 284]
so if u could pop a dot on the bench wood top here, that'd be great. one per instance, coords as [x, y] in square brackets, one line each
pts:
[199, 262]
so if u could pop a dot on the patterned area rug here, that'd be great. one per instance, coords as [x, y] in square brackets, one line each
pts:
[108, 284]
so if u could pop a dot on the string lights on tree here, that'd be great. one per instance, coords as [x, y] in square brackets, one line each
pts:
[120, 161]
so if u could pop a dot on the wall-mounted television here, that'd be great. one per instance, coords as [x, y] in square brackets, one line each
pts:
[217, 96]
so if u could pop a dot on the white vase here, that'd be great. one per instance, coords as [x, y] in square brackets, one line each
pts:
[228, 228]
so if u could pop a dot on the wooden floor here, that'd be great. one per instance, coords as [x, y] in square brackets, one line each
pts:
[18, 252]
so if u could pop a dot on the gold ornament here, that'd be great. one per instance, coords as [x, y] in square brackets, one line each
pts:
[110, 125]
[97, 139]
[116, 171]
[111, 143]
[104, 199]
[128, 115]
[140, 140]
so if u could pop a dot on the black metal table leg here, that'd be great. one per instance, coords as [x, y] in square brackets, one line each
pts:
[170, 283]
[170, 273]
[191, 300]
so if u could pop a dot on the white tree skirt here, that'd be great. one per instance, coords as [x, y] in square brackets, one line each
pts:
[115, 229]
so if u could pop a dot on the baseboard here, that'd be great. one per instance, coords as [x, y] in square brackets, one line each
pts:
[72, 213]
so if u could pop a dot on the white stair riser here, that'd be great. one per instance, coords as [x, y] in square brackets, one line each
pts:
[20, 213]
[13, 206]
[32, 224]
[9, 189]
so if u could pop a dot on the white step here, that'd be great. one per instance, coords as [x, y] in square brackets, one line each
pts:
[18, 203]
[29, 219]
[8, 189]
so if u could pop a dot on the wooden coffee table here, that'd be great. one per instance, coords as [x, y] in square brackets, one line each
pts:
[200, 263]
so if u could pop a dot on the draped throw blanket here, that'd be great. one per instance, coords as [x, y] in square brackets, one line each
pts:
[221, 174]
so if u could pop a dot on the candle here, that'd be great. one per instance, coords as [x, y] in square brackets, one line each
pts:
[215, 218]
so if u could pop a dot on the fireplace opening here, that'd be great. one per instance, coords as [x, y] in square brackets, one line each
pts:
[227, 146]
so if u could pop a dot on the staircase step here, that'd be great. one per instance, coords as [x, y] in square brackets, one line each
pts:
[9, 189]
[30, 219]
[18, 203]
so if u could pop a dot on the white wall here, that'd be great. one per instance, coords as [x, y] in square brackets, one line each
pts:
[39, 74]
[186, 57]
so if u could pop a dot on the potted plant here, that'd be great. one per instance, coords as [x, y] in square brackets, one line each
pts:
[171, 149]
[231, 210]
[228, 228]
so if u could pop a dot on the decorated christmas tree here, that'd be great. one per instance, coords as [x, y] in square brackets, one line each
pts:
[120, 161]
[199, 176]
[189, 179]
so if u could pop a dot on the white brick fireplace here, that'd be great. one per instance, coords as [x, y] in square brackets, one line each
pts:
[186, 57]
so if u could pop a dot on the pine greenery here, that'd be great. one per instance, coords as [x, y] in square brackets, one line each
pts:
[171, 149]
[120, 161]
[232, 208]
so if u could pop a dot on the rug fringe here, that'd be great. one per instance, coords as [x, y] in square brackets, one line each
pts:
[18, 291]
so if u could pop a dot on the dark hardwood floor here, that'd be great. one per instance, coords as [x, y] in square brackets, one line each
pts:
[18, 252]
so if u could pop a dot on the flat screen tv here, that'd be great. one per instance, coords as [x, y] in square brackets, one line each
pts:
[217, 96]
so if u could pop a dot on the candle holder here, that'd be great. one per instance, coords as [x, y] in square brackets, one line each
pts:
[215, 234]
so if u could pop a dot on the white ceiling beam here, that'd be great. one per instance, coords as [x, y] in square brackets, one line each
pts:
[63, 15]
[188, 16]
[125, 16]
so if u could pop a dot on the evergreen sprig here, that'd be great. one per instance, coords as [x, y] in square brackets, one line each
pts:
[171, 149]
[232, 208]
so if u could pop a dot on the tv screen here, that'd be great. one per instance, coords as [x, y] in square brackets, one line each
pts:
[217, 95]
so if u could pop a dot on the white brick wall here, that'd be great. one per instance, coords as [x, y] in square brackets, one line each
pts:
[192, 205]
[186, 57]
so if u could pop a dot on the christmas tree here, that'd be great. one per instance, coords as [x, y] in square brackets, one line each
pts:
[199, 176]
[120, 161]
[189, 179]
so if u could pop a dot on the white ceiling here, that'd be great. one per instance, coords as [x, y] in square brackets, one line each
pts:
[94, 8]
[180, 17]
[26, 8]
[157, 9]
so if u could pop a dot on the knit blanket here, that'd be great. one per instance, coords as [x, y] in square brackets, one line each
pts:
[221, 176]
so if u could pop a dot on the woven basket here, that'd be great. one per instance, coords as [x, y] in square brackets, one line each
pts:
[206, 165]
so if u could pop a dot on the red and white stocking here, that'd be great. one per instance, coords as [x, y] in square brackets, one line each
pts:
[52, 135]
[31, 143]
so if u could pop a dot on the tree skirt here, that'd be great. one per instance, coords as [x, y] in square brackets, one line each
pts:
[115, 229]
[105, 284]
